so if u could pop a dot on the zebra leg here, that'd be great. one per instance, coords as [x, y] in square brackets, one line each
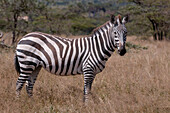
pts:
[88, 80]
[23, 77]
[31, 80]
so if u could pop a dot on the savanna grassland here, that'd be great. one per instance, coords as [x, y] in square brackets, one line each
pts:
[138, 82]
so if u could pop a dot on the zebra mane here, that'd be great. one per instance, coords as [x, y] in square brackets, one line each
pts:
[96, 29]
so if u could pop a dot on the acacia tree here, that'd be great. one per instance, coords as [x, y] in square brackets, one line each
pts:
[156, 12]
[13, 9]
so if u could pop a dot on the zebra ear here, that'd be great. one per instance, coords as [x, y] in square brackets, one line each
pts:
[112, 18]
[125, 19]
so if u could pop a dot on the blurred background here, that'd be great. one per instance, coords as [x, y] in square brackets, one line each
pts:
[80, 17]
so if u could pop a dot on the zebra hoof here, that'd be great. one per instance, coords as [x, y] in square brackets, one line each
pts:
[29, 92]
[86, 99]
[17, 94]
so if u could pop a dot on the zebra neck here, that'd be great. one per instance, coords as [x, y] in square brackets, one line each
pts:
[102, 44]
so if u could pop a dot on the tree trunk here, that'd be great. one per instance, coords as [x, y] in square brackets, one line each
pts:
[161, 35]
[15, 20]
[165, 35]
[155, 36]
[159, 32]
[155, 31]
[154, 28]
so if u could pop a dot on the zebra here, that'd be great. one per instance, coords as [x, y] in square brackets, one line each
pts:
[64, 56]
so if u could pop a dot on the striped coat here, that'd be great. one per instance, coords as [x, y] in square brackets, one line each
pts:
[62, 56]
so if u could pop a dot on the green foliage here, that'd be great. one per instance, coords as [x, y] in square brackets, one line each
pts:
[13, 11]
[129, 45]
[137, 24]
[61, 17]
[2, 24]
[81, 25]
[81, 17]
[151, 17]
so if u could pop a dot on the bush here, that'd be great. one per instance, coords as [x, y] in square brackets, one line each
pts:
[3, 24]
[82, 25]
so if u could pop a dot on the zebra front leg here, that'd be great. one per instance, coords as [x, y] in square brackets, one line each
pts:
[20, 82]
[88, 80]
[31, 81]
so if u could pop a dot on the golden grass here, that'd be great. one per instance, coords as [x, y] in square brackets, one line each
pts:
[137, 82]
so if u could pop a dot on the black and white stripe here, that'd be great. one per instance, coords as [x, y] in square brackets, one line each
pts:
[62, 56]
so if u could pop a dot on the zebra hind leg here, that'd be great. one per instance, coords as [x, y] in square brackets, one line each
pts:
[23, 77]
[31, 80]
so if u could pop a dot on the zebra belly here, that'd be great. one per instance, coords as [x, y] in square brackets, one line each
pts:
[65, 68]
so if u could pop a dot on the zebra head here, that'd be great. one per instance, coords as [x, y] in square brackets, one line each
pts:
[118, 33]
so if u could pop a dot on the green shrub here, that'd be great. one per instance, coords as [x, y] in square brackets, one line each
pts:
[134, 46]
[3, 24]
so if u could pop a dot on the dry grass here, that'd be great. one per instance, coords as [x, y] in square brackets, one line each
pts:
[138, 82]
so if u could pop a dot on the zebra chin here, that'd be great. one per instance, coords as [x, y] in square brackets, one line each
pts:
[122, 52]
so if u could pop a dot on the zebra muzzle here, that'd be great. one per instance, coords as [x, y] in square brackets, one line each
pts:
[121, 50]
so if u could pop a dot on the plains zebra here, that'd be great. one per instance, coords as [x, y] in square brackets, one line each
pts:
[63, 56]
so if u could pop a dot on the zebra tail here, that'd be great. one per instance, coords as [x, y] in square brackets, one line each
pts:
[16, 63]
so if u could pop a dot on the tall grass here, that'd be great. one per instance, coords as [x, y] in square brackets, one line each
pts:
[137, 82]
